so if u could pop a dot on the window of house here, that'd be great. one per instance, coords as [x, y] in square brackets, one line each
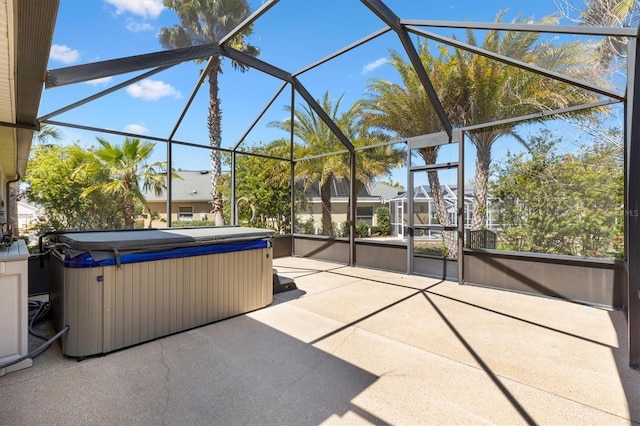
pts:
[185, 212]
[365, 214]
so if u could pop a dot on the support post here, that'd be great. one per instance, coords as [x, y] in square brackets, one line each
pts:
[169, 176]
[409, 212]
[352, 208]
[632, 208]
[234, 206]
[459, 135]
[292, 175]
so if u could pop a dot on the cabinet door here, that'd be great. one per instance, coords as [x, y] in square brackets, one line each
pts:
[13, 314]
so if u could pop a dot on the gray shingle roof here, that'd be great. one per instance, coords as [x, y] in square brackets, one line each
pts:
[195, 186]
[384, 190]
[192, 186]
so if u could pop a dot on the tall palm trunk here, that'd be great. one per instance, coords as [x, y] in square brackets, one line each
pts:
[215, 140]
[325, 201]
[347, 223]
[449, 237]
[483, 143]
[128, 213]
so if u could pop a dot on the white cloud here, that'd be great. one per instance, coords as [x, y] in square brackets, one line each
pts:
[137, 129]
[373, 65]
[147, 9]
[64, 54]
[152, 90]
[99, 81]
[138, 27]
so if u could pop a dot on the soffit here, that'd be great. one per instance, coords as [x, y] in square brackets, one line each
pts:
[26, 34]
[7, 88]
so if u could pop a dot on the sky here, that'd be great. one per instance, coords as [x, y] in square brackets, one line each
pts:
[291, 35]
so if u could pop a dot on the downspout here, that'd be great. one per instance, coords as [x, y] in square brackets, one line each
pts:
[8, 238]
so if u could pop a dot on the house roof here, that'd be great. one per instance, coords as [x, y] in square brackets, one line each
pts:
[384, 190]
[376, 191]
[26, 208]
[339, 189]
[195, 186]
[192, 186]
[26, 34]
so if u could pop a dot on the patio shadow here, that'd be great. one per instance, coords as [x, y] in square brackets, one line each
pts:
[237, 371]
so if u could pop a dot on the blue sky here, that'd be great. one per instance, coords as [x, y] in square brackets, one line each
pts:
[292, 35]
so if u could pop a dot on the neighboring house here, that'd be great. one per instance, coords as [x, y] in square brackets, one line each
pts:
[191, 200]
[425, 213]
[369, 199]
[27, 214]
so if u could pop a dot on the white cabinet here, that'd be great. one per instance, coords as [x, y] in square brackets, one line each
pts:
[14, 306]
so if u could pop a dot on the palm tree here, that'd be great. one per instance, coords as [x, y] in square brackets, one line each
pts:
[371, 163]
[605, 13]
[488, 90]
[318, 139]
[203, 22]
[405, 110]
[474, 89]
[123, 172]
[46, 133]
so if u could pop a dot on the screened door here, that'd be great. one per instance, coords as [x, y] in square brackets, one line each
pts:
[435, 204]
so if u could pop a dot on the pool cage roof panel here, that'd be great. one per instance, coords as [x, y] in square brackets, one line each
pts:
[378, 17]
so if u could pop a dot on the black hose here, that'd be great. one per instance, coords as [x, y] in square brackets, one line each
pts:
[37, 311]
[38, 351]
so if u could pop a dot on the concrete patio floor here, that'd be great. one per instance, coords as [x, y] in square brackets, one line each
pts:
[352, 346]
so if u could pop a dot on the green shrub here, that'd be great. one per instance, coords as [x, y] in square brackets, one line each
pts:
[362, 229]
[308, 226]
[383, 220]
[435, 248]
[338, 230]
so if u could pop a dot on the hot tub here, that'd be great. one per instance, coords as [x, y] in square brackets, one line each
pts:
[119, 288]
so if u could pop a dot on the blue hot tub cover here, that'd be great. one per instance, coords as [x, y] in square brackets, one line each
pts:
[102, 248]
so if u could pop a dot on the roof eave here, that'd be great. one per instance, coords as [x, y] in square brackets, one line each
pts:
[29, 32]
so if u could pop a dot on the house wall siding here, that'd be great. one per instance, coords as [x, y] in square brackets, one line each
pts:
[200, 209]
[338, 212]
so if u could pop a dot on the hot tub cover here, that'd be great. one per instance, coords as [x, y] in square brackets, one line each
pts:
[146, 238]
[101, 245]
